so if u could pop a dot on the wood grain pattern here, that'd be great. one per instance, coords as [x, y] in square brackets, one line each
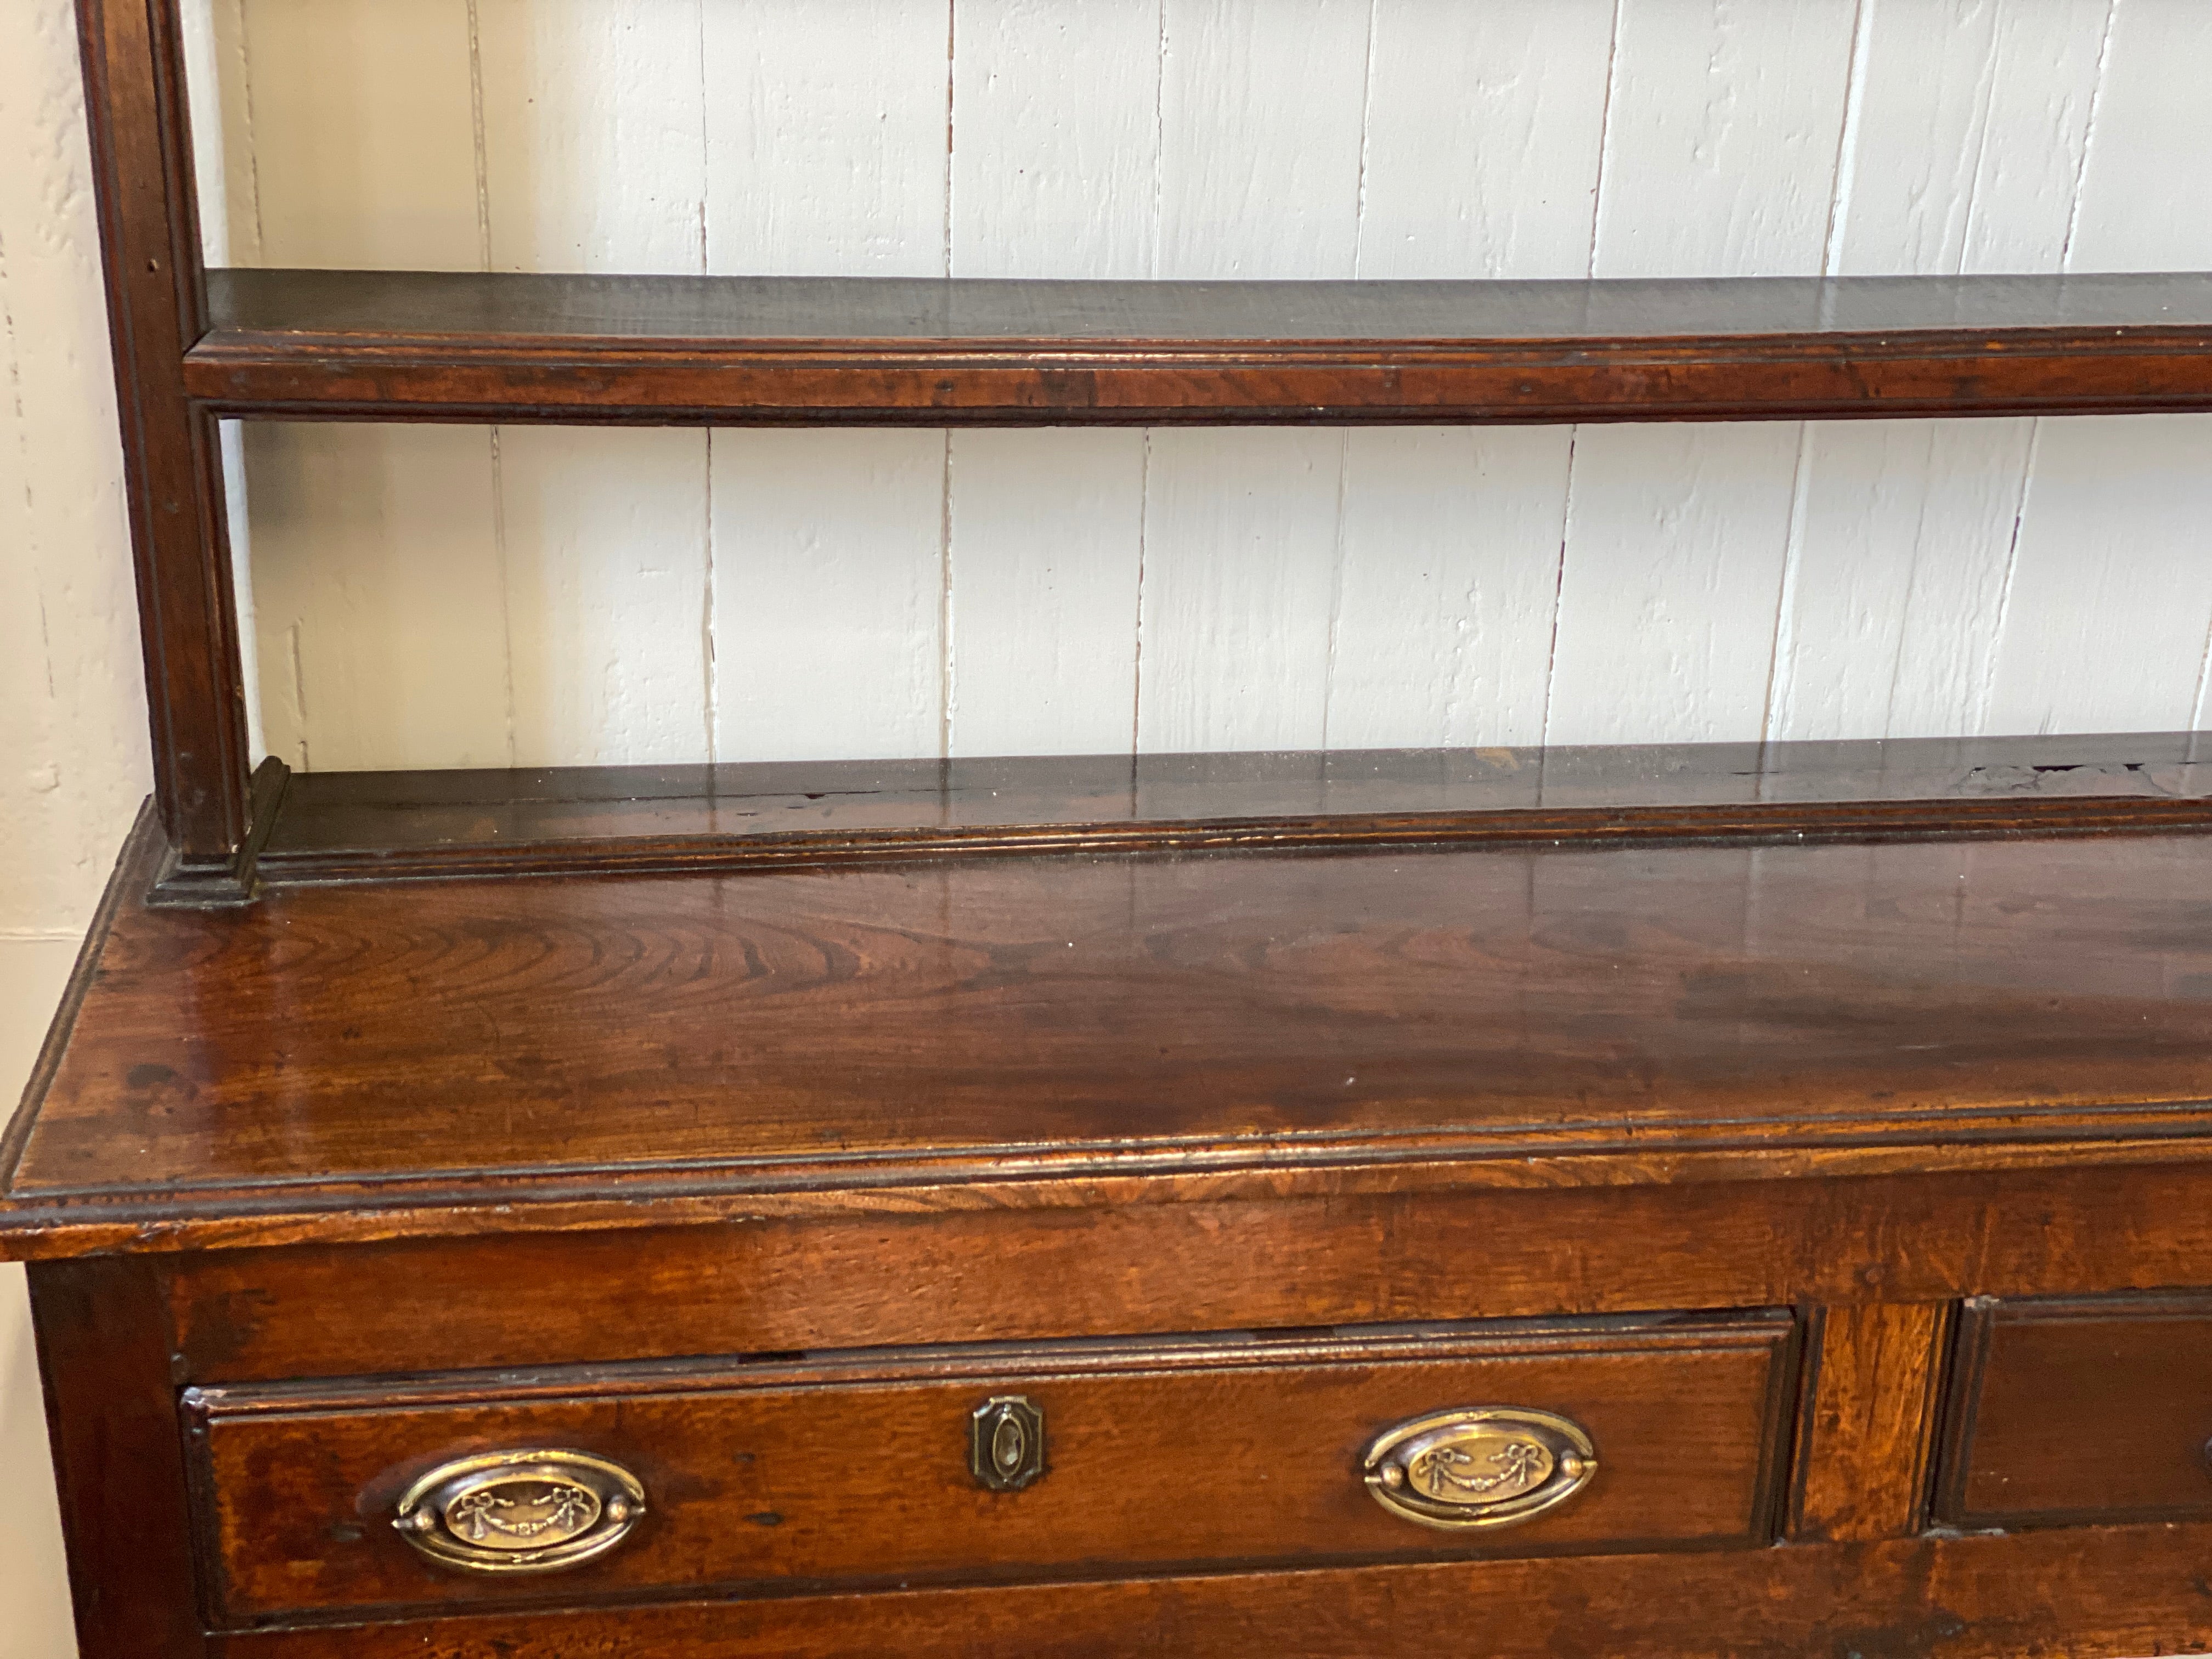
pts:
[394, 825]
[110, 1410]
[150, 237]
[1269, 1248]
[463, 346]
[2081, 1410]
[1867, 1434]
[769, 1476]
[1963, 136]
[2109, 1591]
[790, 1108]
[752, 1031]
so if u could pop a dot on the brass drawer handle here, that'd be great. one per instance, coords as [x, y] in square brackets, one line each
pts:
[525, 1511]
[1484, 1465]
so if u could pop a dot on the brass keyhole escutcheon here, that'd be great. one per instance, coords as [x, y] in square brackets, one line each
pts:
[525, 1511]
[1480, 1466]
[1005, 1442]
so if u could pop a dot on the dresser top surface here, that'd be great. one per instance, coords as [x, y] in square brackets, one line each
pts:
[1535, 1015]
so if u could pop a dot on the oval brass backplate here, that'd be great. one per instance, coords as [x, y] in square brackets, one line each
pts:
[525, 1511]
[1480, 1466]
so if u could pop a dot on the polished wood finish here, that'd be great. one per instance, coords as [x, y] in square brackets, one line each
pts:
[385, 345]
[1880, 1042]
[111, 1411]
[151, 243]
[2115, 1591]
[809, 1118]
[1872, 1382]
[1226, 1451]
[1106, 1258]
[387, 826]
[486, 1044]
[2077, 1410]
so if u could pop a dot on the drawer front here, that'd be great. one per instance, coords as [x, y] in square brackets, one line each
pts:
[861, 1470]
[2079, 1410]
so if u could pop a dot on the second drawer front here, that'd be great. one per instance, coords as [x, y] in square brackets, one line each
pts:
[856, 1471]
[2082, 1410]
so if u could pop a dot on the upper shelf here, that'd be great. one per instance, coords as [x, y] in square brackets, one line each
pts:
[387, 345]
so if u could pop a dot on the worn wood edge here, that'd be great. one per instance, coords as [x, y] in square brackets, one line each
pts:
[231, 347]
[2133, 1307]
[1966, 1365]
[232, 342]
[242, 370]
[1779, 1452]
[1936, 1394]
[1812, 1348]
[1716, 1331]
[237, 1220]
[376, 409]
[141, 848]
[229, 883]
[1965, 1598]
[393, 399]
[1780, 823]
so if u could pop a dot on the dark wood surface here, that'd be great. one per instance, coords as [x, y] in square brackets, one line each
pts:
[2078, 1410]
[762, 1112]
[118, 1462]
[387, 826]
[2101, 1594]
[1025, 1261]
[1086, 1015]
[468, 345]
[762, 1476]
[172, 464]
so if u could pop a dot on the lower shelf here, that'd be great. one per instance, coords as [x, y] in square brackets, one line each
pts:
[1541, 1015]
[349, 826]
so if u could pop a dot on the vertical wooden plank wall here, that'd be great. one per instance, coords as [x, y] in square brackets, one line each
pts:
[462, 596]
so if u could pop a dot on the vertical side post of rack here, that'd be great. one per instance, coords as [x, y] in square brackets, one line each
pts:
[142, 165]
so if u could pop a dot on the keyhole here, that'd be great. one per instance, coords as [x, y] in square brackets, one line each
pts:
[1007, 1445]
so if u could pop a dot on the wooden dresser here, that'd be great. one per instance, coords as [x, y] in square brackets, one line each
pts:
[1715, 1200]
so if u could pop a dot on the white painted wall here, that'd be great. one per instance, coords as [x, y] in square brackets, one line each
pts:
[470, 596]
[446, 596]
[72, 712]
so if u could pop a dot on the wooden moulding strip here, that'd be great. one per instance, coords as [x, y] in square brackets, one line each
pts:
[388, 345]
[1775, 823]
[237, 373]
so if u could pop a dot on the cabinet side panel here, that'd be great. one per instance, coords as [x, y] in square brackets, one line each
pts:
[111, 1414]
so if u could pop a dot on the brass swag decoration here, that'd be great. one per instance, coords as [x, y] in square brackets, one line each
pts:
[525, 1511]
[1479, 1466]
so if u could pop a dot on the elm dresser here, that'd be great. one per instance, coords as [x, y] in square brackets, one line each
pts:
[1697, 1202]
